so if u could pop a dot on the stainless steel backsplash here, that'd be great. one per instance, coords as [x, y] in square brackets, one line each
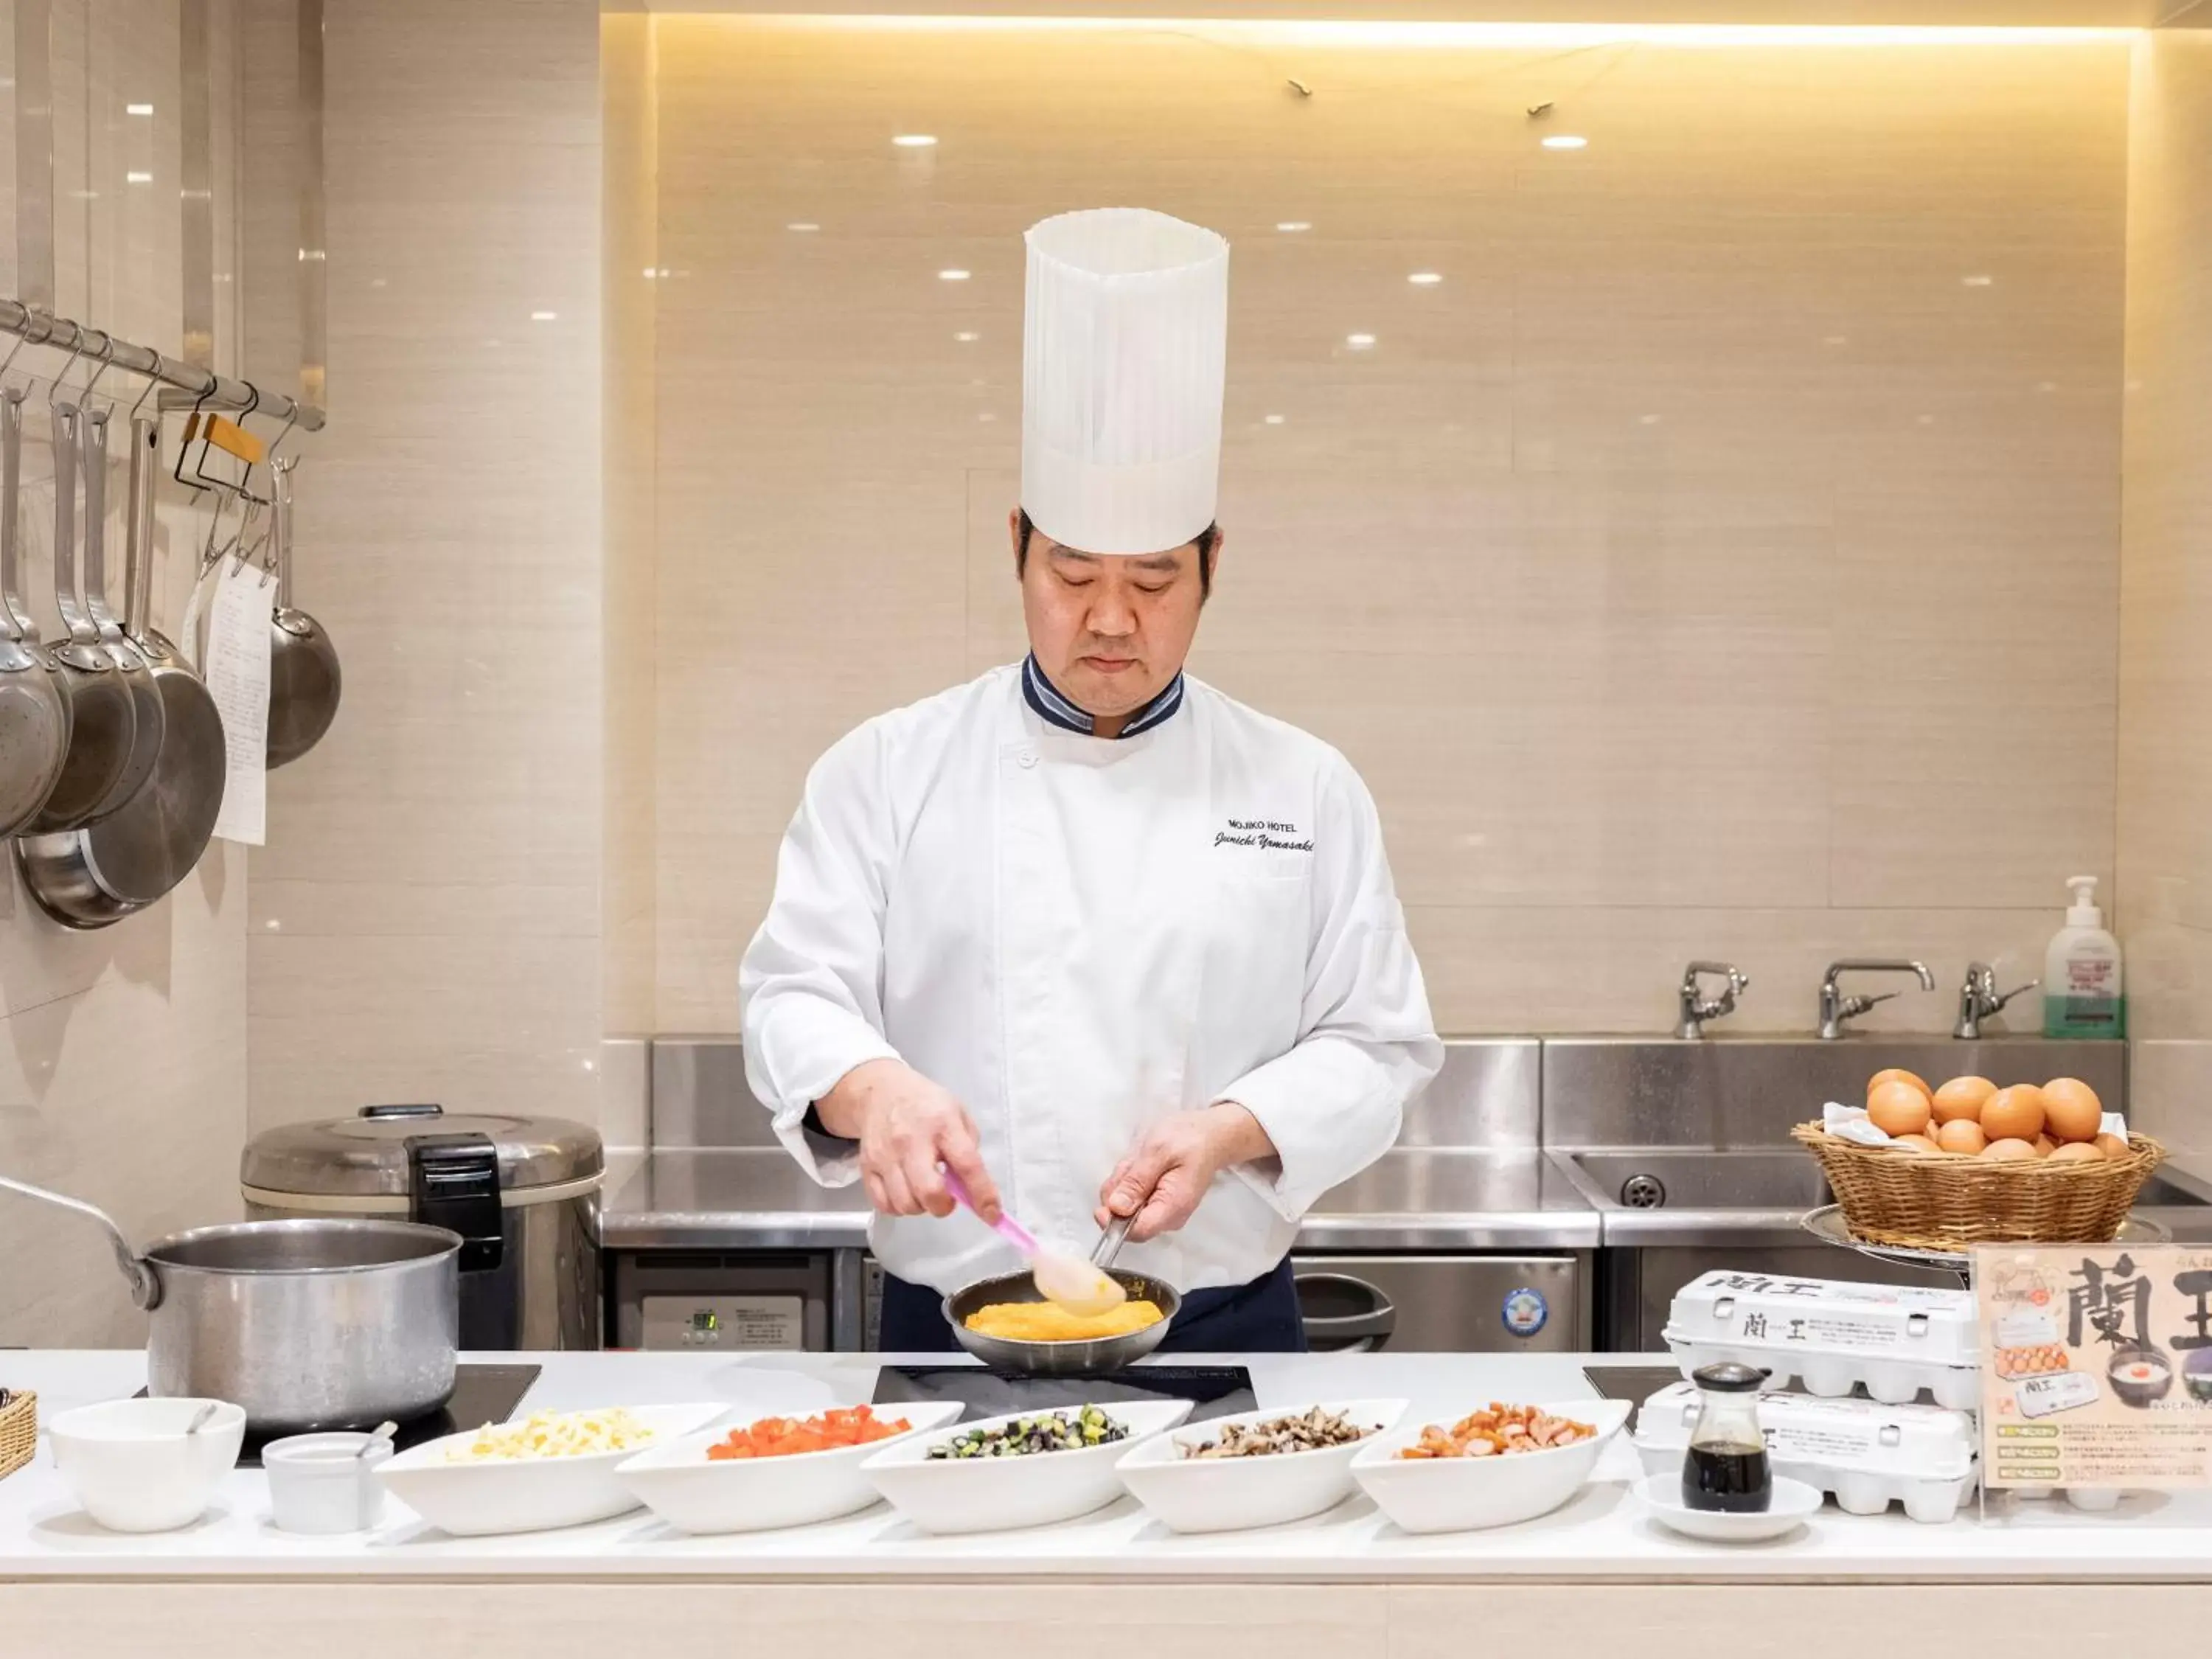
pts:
[1498, 1093]
[1748, 1091]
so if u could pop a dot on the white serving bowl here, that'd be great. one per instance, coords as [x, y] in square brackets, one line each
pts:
[133, 1467]
[756, 1494]
[992, 1494]
[528, 1494]
[1458, 1494]
[1224, 1494]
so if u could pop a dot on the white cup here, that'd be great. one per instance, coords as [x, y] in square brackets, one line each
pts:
[323, 1483]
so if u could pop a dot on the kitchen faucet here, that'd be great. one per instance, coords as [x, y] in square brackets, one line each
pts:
[1978, 999]
[1836, 1007]
[1695, 1009]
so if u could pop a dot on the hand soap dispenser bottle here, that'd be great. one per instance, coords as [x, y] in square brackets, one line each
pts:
[2082, 996]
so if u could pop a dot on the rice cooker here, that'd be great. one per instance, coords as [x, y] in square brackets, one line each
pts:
[522, 1191]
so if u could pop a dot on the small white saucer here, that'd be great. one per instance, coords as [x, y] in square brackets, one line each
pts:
[1794, 1501]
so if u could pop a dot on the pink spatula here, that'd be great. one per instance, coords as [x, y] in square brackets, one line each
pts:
[1065, 1281]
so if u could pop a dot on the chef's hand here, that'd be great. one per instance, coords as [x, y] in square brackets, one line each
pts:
[1174, 1161]
[907, 1126]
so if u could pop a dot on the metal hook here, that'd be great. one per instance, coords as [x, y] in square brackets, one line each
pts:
[152, 381]
[191, 429]
[44, 336]
[106, 362]
[252, 401]
[61, 378]
[291, 421]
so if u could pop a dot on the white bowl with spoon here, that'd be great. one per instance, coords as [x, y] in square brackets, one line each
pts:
[147, 1465]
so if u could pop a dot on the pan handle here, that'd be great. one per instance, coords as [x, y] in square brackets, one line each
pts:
[145, 1281]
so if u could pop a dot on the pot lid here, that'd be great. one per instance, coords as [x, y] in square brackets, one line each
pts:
[369, 1153]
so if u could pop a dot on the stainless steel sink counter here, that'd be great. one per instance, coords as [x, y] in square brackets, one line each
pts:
[710, 1199]
[1747, 1197]
[1706, 1120]
[1623, 1165]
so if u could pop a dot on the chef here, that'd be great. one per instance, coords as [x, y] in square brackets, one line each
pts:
[1093, 935]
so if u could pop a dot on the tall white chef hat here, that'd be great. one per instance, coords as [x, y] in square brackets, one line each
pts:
[1126, 334]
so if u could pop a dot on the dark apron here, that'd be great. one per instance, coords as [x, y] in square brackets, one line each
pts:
[1261, 1317]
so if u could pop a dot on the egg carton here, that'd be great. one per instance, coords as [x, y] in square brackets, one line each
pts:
[1832, 1375]
[2090, 1500]
[1864, 1454]
[1843, 1317]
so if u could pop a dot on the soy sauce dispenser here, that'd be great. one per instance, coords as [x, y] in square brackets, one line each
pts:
[1726, 1467]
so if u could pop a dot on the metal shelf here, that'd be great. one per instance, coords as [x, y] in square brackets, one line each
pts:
[1827, 1225]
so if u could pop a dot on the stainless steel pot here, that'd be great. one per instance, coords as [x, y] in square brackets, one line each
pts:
[308, 1325]
[304, 680]
[95, 877]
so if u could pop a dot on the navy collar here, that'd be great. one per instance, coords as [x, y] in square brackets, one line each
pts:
[1053, 709]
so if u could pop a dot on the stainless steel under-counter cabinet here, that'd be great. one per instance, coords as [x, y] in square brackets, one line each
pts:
[738, 1302]
[1445, 1303]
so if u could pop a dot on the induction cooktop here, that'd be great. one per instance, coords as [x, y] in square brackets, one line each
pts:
[1216, 1390]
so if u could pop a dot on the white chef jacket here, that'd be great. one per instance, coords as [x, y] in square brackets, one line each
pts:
[1075, 935]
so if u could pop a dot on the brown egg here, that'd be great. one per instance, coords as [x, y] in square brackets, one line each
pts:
[2114, 1146]
[2078, 1151]
[2010, 1150]
[2045, 1145]
[2071, 1108]
[1961, 1098]
[1918, 1145]
[2013, 1114]
[1961, 1135]
[1896, 1107]
[1899, 1074]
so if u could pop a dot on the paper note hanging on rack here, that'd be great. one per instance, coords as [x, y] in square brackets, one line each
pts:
[237, 679]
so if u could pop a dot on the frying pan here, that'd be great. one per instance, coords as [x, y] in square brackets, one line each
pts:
[303, 664]
[102, 721]
[92, 878]
[35, 715]
[148, 715]
[1105, 1354]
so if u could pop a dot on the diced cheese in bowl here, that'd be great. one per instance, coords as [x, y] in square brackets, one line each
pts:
[555, 1434]
[550, 1469]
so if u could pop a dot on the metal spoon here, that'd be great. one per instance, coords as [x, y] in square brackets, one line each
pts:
[377, 1436]
[1111, 1241]
[201, 1416]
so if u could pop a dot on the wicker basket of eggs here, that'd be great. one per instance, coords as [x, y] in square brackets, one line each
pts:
[1973, 1164]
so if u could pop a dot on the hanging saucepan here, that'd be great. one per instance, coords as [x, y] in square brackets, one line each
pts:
[35, 714]
[102, 721]
[308, 1325]
[148, 718]
[303, 663]
[95, 877]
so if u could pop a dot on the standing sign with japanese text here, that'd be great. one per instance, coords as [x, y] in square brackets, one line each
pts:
[2097, 1364]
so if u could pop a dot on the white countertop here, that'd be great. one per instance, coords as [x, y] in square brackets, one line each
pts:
[1601, 1534]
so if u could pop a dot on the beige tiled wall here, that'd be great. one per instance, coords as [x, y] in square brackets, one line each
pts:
[631, 248]
[1722, 559]
[426, 917]
[123, 1051]
[2166, 606]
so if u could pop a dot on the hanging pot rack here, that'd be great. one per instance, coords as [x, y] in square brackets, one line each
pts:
[186, 387]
